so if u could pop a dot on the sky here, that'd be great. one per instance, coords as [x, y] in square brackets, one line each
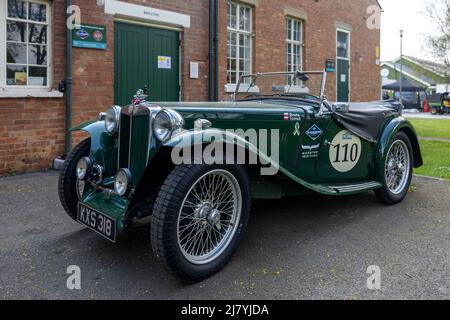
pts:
[407, 15]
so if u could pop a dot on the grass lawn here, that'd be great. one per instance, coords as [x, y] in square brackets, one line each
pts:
[436, 159]
[436, 154]
[439, 128]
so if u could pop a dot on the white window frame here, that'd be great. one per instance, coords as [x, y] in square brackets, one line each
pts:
[238, 33]
[349, 43]
[20, 91]
[290, 40]
[348, 58]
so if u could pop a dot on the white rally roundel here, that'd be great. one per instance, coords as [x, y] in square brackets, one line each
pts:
[345, 151]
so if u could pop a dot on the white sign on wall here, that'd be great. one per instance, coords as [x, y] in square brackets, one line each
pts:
[194, 70]
[121, 8]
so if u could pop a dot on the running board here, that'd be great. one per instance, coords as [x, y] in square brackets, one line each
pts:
[356, 188]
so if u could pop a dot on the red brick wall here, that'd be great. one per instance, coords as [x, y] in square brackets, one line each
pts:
[93, 86]
[320, 41]
[32, 130]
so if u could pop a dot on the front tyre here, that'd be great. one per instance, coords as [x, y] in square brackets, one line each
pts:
[199, 218]
[398, 170]
[70, 189]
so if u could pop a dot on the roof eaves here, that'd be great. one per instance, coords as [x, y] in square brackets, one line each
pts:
[408, 74]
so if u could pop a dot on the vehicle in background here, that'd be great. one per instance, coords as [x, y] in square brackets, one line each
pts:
[439, 103]
[412, 100]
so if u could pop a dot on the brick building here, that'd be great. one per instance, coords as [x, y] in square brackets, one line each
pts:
[166, 45]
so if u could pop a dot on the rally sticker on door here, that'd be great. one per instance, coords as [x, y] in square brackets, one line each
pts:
[345, 151]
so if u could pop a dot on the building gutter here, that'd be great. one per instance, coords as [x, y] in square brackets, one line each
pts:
[68, 82]
[216, 47]
[213, 50]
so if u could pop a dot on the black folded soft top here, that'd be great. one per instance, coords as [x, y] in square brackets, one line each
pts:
[367, 119]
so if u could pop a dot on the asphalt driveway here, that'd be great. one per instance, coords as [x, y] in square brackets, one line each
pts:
[300, 248]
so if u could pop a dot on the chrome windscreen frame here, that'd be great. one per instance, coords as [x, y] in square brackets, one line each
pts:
[324, 105]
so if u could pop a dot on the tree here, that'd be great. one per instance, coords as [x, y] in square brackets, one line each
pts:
[438, 11]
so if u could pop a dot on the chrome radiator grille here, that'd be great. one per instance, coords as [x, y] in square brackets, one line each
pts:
[134, 140]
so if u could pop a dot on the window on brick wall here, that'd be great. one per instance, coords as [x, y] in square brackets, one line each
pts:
[24, 44]
[239, 55]
[294, 45]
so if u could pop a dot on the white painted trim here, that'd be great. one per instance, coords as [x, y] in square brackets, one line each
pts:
[300, 44]
[349, 52]
[243, 88]
[123, 9]
[147, 24]
[406, 73]
[30, 93]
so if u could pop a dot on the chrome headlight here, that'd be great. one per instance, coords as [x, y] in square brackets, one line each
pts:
[112, 118]
[166, 123]
[83, 168]
[123, 182]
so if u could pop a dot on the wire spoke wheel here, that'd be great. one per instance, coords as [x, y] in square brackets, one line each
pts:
[209, 216]
[397, 167]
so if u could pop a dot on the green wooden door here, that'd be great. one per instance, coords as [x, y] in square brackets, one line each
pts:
[343, 80]
[146, 57]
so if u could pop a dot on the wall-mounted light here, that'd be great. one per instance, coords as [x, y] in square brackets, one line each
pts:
[100, 2]
[359, 56]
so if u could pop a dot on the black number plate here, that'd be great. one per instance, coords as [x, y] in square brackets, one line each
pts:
[97, 222]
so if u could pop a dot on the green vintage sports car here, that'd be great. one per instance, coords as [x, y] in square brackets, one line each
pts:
[191, 170]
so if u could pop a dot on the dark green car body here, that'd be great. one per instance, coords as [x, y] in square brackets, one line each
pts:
[136, 148]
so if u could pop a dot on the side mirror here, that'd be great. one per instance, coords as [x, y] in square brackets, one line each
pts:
[341, 107]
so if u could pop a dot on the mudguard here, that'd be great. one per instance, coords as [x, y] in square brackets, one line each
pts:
[103, 146]
[386, 138]
[194, 138]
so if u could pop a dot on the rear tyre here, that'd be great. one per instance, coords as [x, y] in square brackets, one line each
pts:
[398, 169]
[199, 218]
[70, 189]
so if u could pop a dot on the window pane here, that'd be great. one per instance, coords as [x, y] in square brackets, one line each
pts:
[247, 66]
[244, 19]
[233, 65]
[342, 45]
[288, 29]
[38, 33]
[16, 75]
[241, 64]
[233, 38]
[17, 9]
[37, 76]
[233, 51]
[16, 53]
[300, 31]
[232, 16]
[16, 31]
[297, 31]
[37, 55]
[233, 77]
[37, 12]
